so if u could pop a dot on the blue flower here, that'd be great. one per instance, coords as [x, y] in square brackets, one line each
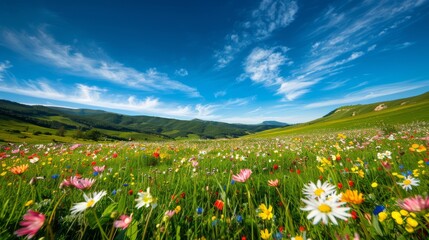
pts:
[125, 184]
[95, 173]
[378, 209]
[114, 192]
[200, 210]
[278, 235]
[55, 176]
[239, 219]
[232, 182]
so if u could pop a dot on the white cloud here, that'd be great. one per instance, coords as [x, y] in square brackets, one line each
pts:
[371, 93]
[181, 72]
[219, 94]
[335, 85]
[3, 68]
[270, 16]
[342, 37]
[263, 65]
[43, 48]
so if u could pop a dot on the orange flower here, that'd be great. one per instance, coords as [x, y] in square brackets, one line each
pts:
[352, 197]
[19, 169]
[219, 204]
[417, 148]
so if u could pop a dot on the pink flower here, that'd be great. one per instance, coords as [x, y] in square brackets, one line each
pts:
[79, 183]
[273, 183]
[123, 221]
[75, 146]
[31, 223]
[242, 176]
[99, 169]
[169, 213]
[414, 204]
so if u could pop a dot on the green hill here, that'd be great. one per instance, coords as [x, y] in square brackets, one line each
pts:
[19, 123]
[381, 114]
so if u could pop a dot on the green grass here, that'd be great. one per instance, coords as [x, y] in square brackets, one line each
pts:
[194, 174]
[414, 109]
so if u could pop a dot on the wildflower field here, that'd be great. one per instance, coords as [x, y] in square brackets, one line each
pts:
[361, 184]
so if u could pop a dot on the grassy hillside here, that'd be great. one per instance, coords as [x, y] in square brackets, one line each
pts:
[23, 123]
[399, 111]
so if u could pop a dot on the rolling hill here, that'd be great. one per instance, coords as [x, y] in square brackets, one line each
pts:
[379, 114]
[19, 123]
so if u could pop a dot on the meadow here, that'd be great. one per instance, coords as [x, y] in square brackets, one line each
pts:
[357, 184]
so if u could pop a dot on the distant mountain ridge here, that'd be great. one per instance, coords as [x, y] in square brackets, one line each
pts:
[119, 126]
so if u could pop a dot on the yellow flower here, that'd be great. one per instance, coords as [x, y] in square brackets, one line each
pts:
[266, 213]
[29, 203]
[409, 228]
[399, 221]
[396, 215]
[412, 222]
[177, 209]
[3, 173]
[382, 216]
[374, 184]
[403, 212]
[265, 234]
[352, 197]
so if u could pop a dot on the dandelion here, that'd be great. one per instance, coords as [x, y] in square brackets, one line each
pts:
[352, 197]
[265, 234]
[18, 170]
[414, 204]
[273, 183]
[242, 176]
[382, 216]
[318, 190]
[374, 184]
[31, 223]
[144, 199]
[409, 182]
[123, 222]
[325, 209]
[266, 213]
[90, 201]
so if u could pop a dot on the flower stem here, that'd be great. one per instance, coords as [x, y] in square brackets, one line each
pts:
[147, 222]
[99, 226]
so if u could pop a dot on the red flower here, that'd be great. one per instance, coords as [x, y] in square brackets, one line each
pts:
[301, 228]
[298, 171]
[275, 167]
[130, 192]
[340, 185]
[281, 229]
[94, 163]
[354, 215]
[351, 183]
[156, 154]
[219, 204]
[182, 195]
[243, 238]
[115, 155]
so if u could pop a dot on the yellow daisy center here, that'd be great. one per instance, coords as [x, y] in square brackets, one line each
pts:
[324, 208]
[90, 203]
[319, 192]
[407, 182]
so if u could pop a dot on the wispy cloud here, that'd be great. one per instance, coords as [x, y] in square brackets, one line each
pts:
[270, 16]
[219, 94]
[42, 47]
[335, 85]
[399, 46]
[343, 37]
[3, 68]
[371, 93]
[182, 72]
[263, 65]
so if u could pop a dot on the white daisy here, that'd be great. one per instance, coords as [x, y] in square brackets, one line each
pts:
[409, 182]
[145, 199]
[318, 190]
[326, 209]
[90, 201]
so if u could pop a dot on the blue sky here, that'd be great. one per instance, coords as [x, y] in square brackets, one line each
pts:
[233, 61]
